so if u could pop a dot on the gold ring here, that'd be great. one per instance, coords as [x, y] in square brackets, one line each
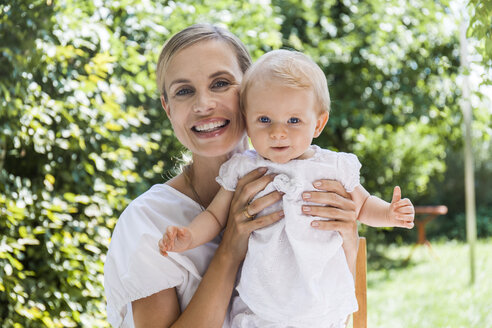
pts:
[246, 213]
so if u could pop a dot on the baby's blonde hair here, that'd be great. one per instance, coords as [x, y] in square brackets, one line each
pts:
[292, 68]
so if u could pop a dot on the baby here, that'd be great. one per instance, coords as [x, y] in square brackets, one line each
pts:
[293, 275]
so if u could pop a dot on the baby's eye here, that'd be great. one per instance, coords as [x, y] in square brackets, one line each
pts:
[183, 92]
[220, 84]
[294, 120]
[264, 119]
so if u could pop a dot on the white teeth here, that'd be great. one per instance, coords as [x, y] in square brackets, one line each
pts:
[210, 126]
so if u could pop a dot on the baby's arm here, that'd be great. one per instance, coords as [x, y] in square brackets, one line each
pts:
[375, 212]
[204, 227]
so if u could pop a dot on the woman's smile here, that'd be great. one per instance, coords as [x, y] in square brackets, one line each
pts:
[210, 127]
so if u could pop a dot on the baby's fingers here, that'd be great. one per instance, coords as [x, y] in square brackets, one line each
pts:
[404, 217]
[162, 247]
[180, 233]
[396, 194]
[406, 224]
[404, 206]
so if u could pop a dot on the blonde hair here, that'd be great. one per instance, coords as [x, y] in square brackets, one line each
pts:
[293, 68]
[191, 35]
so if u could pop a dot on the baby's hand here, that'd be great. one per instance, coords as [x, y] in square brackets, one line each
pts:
[401, 212]
[175, 239]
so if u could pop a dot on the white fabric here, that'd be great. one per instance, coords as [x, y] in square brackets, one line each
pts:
[134, 268]
[294, 275]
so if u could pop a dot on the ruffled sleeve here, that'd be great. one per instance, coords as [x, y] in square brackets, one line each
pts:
[229, 172]
[348, 168]
[134, 268]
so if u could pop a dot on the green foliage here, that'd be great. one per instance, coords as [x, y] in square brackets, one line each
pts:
[480, 28]
[392, 68]
[391, 72]
[83, 133]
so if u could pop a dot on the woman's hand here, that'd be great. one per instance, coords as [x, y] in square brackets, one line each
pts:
[242, 220]
[337, 205]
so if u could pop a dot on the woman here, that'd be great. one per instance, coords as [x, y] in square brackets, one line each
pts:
[198, 74]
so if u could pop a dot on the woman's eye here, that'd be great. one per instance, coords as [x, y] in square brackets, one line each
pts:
[183, 92]
[264, 119]
[220, 84]
[294, 120]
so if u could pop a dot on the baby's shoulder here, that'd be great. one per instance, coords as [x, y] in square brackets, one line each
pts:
[337, 159]
[326, 155]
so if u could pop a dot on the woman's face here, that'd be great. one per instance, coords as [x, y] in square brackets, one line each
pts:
[202, 84]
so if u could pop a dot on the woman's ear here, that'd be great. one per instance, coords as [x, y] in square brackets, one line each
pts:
[165, 105]
[320, 124]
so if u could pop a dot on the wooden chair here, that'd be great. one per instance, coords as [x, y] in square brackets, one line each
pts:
[360, 317]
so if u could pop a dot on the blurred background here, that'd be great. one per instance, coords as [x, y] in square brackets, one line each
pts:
[82, 133]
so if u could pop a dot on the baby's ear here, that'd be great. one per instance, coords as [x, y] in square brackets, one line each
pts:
[320, 124]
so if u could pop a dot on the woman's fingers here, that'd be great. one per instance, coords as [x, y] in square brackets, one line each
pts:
[264, 221]
[331, 186]
[248, 190]
[330, 198]
[251, 177]
[260, 204]
[348, 229]
[330, 212]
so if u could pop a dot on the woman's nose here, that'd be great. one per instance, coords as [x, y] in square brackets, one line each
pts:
[204, 102]
[278, 131]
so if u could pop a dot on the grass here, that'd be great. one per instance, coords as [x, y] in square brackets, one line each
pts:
[433, 288]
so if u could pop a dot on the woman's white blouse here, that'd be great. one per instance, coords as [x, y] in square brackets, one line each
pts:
[135, 269]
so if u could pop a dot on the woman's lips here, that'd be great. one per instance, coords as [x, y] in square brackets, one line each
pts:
[210, 128]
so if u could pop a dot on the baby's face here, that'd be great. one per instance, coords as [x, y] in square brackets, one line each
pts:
[281, 121]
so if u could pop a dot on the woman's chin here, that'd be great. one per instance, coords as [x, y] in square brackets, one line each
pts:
[220, 147]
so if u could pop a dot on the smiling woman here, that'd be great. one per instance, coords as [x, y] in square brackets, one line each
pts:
[203, 95]
[199, 73]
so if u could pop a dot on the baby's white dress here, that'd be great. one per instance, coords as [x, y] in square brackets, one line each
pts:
[134, 268]
[294, 275]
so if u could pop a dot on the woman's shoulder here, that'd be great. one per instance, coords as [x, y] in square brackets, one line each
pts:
[160, 196]
[155, 209]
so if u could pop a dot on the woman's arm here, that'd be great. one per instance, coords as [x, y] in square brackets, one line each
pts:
[209, 304]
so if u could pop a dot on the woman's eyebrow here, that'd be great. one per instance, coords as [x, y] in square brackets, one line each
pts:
[178, 81]
[218, 73]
